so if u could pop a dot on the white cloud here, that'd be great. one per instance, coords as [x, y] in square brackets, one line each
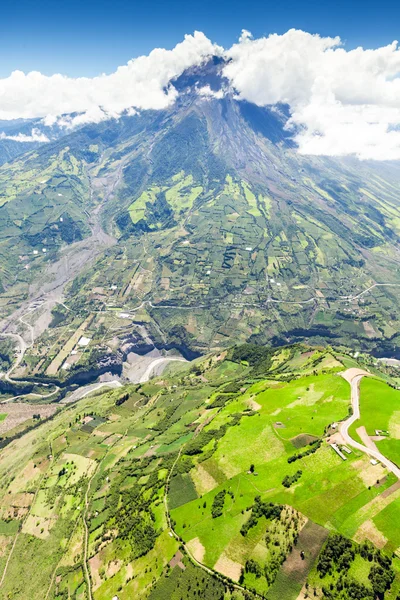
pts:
[36, 136]
[342, 102]
[143, 83]
[207, 92]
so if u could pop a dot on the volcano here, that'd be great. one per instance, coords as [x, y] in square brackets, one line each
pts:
[205, 223]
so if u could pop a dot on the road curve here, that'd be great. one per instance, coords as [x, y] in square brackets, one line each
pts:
[156, 362]
[354, 377]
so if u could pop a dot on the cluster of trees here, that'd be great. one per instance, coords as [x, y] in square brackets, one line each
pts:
[269, 570]
[381, 577]
[289, 480]
[129, 508]
[347, 589]
[218, 503]
[220, 400]
[278, 545]
[189, 584]
[338, 555]
[196, 445]
[227, 392]
[250, 353]
[314, 446]
[170, 417]
[7, 350]
[252, 566]
[121, 399]
[261, 509]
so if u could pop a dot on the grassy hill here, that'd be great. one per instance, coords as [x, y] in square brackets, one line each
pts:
[214, 481]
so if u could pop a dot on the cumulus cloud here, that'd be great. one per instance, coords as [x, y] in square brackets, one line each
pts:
[143, 83]
[36, 136]
[342, 102]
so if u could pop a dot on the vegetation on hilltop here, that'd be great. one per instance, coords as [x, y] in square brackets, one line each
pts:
[165, 496]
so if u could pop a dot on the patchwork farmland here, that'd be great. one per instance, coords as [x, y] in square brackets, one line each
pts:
[226, 464]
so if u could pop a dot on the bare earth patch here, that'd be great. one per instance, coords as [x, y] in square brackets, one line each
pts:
[100, 433]
[377, 504]
[370, 473]
[369, 330]
[151, 451]
[5, 542]
[204, 482]
[349, 374]
[95, 564]
[369, 531]
[253, 404]
[196, 548]
[113, 567]
[21, 500]
[228, 567]
[13, 512]
[112, 439]
[19, 412]
[366, 440]
[38, 526]
[129, 572]
[295, 569]
[390, 490]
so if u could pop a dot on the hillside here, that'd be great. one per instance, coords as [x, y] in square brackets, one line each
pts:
[203, 224]
[217, 480]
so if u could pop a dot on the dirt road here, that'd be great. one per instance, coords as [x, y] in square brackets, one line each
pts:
[354, 376]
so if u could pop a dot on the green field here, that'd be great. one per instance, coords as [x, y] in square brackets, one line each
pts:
[380, 411]
[221, 433]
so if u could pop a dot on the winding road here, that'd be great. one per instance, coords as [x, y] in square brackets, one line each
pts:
[354, 376]
[163, 360]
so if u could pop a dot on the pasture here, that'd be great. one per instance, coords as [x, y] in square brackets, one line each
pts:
[380, 412]
[234, 460]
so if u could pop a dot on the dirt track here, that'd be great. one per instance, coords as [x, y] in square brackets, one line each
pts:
[354, 376]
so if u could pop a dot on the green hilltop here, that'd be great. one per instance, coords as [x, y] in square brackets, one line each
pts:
[216, 480]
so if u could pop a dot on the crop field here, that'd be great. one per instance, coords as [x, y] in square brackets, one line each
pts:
[18, 413]
[236, 422]
[68, 347]
[295, 570]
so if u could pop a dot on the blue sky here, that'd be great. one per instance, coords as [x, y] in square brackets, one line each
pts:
[87, 37]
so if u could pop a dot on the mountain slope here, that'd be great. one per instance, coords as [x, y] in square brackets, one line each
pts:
[223, 230]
